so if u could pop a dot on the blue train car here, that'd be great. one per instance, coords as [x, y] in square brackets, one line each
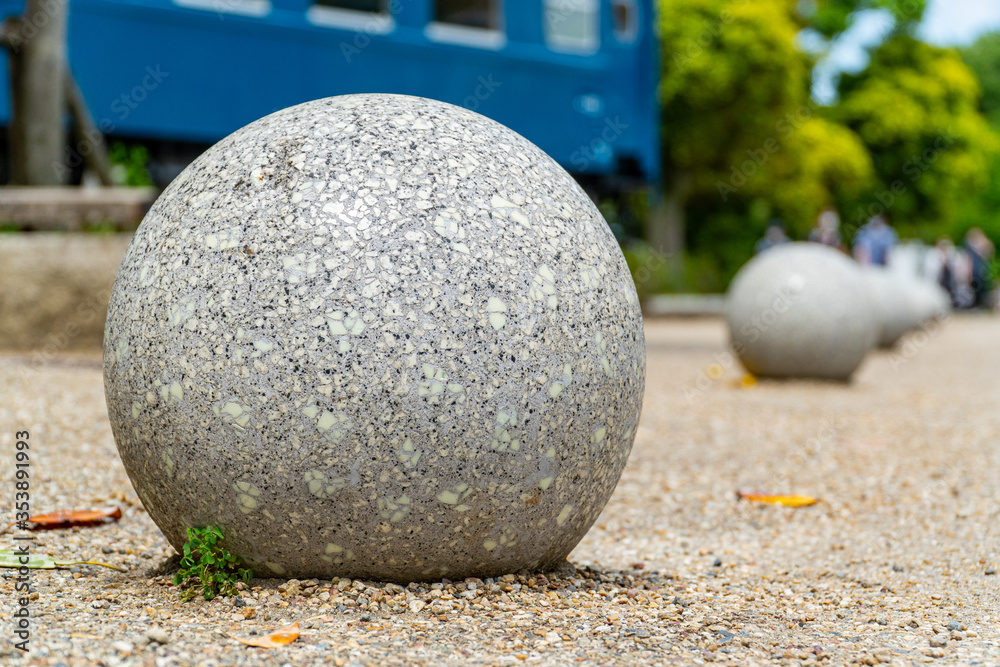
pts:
[577, 77]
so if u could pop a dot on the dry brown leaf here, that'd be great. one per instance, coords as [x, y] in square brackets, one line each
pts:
[791, 500]
[69, 519]
[276, 639]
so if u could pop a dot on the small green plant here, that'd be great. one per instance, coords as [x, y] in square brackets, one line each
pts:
[133, 159]
[207, 566]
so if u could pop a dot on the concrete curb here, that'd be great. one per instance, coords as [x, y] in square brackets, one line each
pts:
[69, 208]
[54, 288]
[684, 305]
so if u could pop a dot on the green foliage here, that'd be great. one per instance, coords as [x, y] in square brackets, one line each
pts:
[208, 566]
[134, 159]
[742, 133]
[743, 142]
[830, 18]
[734, 88]
[730, 71]
[933, 149]
[983, 58]
[826, 164]
[652, 273]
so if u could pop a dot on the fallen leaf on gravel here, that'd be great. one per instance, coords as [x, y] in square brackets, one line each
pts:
[10, 558]
[748, 381]
[68, 519]
[787, 500]
[276, 639]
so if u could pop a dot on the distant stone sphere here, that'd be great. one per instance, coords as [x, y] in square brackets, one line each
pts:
[375, 336]
[903, 303]
[800, 310]
[893, 300]
[929, 301]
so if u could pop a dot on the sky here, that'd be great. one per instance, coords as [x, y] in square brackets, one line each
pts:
[946, 23]
[959, 22]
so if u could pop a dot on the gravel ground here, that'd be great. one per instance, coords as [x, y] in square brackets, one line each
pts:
[897, 564]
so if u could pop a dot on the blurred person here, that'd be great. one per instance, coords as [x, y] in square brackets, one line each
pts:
[874, 241]
[775, 235]
[939, 266]
[827, 229]
[980, 251]
[963, 296]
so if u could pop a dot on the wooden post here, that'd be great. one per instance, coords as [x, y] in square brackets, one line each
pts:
[86, 136]
[37, 46]
[665, 231]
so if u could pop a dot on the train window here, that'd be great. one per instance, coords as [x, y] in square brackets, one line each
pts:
[354, 5]
[256, 8]
[468, 22]
[371, 16]
[572, 25]
[470, 13]
[625, 18]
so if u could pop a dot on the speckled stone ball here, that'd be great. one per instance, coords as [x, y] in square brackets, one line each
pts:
[801, 310]
[893, 304]
[929, 301]
[375, 336]
[903, 303]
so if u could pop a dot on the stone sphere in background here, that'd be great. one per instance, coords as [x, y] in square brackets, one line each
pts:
[800, 310]
[375, 336]
[892, 301]
[903, 303]
[928, 300]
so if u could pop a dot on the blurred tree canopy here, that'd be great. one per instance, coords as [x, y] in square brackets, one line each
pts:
[744, 142]
[729, 73]
[933, 149]
[983, 58]
[830, 18]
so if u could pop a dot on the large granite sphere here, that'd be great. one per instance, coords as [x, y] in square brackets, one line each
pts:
[800, 310]
[375, 336]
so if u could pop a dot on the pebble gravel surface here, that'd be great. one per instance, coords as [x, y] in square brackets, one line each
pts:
[896, 564]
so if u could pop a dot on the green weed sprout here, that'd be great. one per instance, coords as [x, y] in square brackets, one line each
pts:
[207, 566]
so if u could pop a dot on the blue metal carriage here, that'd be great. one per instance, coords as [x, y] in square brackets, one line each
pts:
[577, 77]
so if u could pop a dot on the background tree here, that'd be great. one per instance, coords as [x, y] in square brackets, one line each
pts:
[831, 18]
[742, 139]
[729, 73]
[983, 58]
[916, 108]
